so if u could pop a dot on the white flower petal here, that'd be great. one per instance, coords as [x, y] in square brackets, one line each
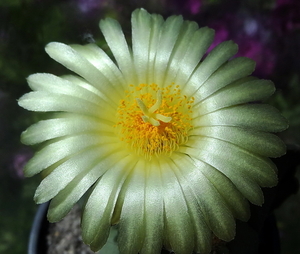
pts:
[179, 230]
[261, 143]
[79, 81]
[63, 202]
[260, 117]
[115, 39]
[247, 185]
[259, 168]
[241, 91]
[203, 236]
[226, 74]
[230, 194]
[104, 64]
[62, 175]
[215, 59]
[216, 212]
[131, 226]
[46, 101]
[153, 47]
[53, 84]
[67, 124]
[142, 23]
[70, 58]
[61, 149]
[168, 37]
[98, 211]
[154, 211]
[188, 54]
[235, 201]
[181, 46]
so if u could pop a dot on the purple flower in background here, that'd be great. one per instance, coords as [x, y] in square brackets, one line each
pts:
[221, 33]
[188, 6]
[286, 16]
[284, 2]
[252, 35]
[265, 58]
[19, 160]
[193, 6]
[91, 5]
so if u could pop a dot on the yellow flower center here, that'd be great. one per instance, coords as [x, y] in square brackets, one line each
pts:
[153, 120]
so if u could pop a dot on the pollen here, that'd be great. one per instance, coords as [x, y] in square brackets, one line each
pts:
[154, 121]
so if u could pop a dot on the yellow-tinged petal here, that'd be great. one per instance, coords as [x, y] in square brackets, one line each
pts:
[154, 207]
[131, 226]
[179, 231]
[63, 202]
[102, 201]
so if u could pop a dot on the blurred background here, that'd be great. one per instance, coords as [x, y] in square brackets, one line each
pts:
[268, 31]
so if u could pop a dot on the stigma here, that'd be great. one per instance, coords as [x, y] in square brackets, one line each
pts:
[149, 114]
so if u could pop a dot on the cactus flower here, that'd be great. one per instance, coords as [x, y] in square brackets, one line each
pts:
[169, 143]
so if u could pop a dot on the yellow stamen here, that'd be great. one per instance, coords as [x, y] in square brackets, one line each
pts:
[153, 120]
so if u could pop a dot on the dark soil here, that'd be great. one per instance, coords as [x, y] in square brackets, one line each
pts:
[65, 236]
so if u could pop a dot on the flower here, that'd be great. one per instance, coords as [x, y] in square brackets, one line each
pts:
[167, 146]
